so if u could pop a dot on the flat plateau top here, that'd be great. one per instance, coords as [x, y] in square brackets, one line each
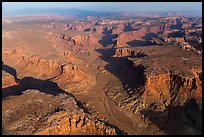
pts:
[161, 59]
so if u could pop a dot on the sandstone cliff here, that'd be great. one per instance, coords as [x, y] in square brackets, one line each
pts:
[64, 73]
[127, 52]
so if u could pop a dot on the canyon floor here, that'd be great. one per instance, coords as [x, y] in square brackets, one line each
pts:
[92, 76]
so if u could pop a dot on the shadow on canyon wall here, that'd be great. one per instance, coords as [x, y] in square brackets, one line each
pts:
[147, 40]
[128, 27]
[177, 120]
[149, 36]
[178, 25]
[136, 43]
[131, 77]
[45, 86]
[10, 70]
[28, 83]
[108, 38]
[176, 34]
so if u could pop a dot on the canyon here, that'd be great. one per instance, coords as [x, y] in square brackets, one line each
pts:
[102, 76]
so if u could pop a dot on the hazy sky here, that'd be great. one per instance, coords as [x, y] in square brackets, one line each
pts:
[108, 6]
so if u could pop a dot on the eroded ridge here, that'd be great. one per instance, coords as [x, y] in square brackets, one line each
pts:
[46, 114]
[64, 73]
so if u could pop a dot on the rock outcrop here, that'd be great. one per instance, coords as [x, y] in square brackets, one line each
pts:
[7, 80]
[75, 124]
[128, 52]
[85, 40]
[38, 113]
[79, 44]
[189, 43]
